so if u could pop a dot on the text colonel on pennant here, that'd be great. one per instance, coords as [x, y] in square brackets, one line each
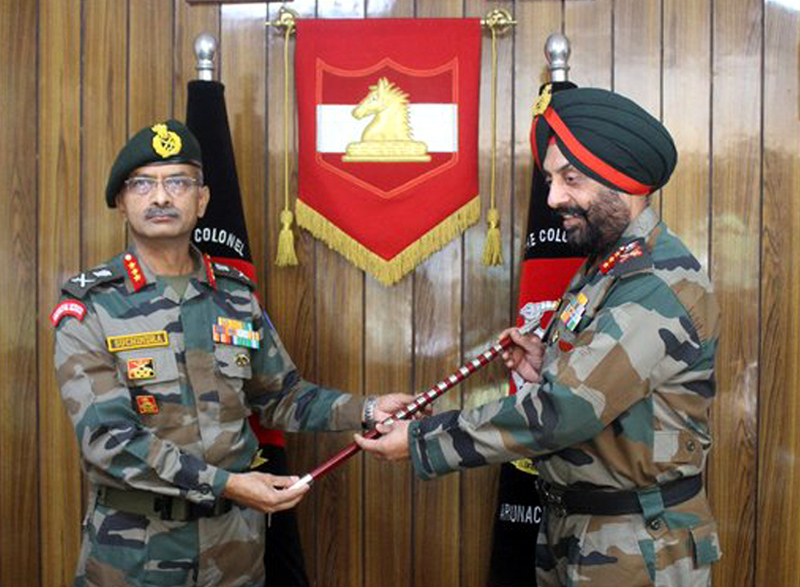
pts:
[388, 163]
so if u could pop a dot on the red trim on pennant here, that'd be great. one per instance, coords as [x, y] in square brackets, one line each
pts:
[534, 147]
[67, 308]
[619, 179]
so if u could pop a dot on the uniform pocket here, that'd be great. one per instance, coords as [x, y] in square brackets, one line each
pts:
[705, 544]
[233, 367]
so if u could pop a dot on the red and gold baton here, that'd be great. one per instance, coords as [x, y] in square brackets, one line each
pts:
[424, 399]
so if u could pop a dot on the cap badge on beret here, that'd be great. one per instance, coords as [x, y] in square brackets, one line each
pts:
[165, 142]
[544, 100]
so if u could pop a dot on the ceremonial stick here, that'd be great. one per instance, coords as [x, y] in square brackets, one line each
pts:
[422, 400]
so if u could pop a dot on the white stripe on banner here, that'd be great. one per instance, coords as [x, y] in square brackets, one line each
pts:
[434, 124]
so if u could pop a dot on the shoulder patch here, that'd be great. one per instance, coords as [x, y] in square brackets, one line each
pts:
[74, 308]
[82, 283]
[223, 270]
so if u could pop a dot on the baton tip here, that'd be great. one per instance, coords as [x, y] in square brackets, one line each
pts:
[304, 480]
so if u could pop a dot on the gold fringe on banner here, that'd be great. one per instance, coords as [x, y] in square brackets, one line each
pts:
[391, 271]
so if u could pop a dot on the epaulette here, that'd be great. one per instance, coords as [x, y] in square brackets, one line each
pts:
[82, 283]
[223, 270]
[630, 258]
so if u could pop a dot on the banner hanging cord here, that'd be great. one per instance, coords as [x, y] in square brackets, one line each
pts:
[286, 254]
[493, 247]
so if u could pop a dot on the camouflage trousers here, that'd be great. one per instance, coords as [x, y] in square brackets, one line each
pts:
[131, 550]
[676, 549]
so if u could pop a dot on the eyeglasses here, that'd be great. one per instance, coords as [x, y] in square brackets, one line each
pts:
[177, 185]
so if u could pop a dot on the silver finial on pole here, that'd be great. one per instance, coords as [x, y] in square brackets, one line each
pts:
[557, 51]
[205, 47]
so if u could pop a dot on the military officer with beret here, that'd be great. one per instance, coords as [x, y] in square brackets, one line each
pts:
[616, 409]
[161, 355]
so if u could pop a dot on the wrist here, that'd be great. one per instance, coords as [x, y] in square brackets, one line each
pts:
[368, 414]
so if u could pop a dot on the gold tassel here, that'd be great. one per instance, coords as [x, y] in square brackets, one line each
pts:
[286, 255]
[493, 249]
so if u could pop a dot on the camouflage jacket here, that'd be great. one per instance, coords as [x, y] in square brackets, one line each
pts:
[627, 380]
[156, 403]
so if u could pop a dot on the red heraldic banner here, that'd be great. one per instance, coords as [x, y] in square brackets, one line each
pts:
[388, 115]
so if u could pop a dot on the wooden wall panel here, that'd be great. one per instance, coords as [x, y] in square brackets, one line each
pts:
[104, 101]
[486, 292]
[388, 358]
[191, 21]
[150, 63]
[687, 114]
[735, 250]
[589, 26]
[19, 474]
[437, 349]
[340, 331]
[289, 296]
[104, 69]
[59, 257]
[637, 57]
[778, 514]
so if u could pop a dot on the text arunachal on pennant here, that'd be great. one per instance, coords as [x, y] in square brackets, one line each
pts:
[388, 169]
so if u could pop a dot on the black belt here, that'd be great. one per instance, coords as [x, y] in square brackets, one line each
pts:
[147, 503]
[563, 501]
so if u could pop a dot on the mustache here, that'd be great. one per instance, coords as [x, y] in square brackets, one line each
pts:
[170, 212]
[571, 211]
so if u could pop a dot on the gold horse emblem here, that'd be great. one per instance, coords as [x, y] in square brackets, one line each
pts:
[387, 138]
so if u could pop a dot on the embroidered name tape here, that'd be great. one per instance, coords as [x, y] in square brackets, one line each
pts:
[140, 340]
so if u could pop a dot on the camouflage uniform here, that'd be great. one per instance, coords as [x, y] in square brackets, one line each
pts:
[202, 392]
[627, 383]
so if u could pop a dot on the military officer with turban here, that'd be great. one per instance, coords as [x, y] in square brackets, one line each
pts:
[161, 355]
[616, 416]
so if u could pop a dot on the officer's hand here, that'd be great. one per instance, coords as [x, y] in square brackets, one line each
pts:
[264, 492]
[390, 403]
[393, 445]
[525, 354]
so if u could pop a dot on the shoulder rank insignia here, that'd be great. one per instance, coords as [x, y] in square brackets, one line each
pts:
[626, 259]
[233, 273]
[134, 270]
[79, 285]
[67, 308]
[212, 279]
[235, 332]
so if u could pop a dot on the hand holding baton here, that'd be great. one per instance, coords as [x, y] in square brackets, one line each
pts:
[424, 399]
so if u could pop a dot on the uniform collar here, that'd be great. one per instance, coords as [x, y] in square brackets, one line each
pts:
[139, 275]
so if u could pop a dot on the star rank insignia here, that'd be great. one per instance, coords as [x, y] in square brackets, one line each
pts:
[141, 369]
[134, 271]
[146, 404]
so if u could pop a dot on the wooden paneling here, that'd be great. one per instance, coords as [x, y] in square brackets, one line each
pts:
[289, 297]
[59, 257]
[339, 289]
[437, 349]
[388, 359]
[637, 56]
[19, 454]
[735, 251]
[85, 75]
[778, 513]
[687, 114]
[486, 290]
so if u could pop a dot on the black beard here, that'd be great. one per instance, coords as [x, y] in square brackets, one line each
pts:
[604, 221]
